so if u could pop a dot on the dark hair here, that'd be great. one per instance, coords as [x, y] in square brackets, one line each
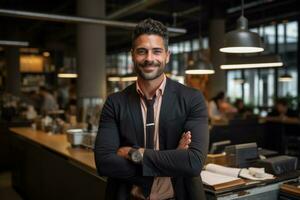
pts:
[151, 27]
[220, 95]
[281, 101]
[43, 88]
[237, 101]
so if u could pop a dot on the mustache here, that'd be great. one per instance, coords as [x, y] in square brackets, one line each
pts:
[147, 63]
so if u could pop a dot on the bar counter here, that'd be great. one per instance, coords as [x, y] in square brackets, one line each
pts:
[45, 166]
[59, 144]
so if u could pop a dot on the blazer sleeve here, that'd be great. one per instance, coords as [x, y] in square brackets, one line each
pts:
[187, 163]
[107, 142]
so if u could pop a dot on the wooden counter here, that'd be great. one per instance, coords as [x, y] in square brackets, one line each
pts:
[5, 147]
[47, 167]
[59, 144]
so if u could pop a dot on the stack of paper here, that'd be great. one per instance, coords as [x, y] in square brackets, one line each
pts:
[219, 177]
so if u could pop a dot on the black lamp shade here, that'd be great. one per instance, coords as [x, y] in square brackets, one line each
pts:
[247, 61]
[200, 66]
[285, 77]
[242, 40]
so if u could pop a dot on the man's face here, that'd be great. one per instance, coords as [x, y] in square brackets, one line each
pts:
[149, 56]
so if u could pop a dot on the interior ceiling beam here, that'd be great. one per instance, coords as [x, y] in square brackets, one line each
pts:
[133, 8]
[186, 14]
[75, 19]
[188, 11]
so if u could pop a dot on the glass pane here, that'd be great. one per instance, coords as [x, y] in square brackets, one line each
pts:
[174, 48]
[292, 32]
[280, 37]
[251, 87]
[122, 57]
[266, 88]
[195, 44]
[234, 87]
[187, 46]
[205, 43]
[130, 67]
[269, 38]
[175, 64]
[181, 47]
[289, 54]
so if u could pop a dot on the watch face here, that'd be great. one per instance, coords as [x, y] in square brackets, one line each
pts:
[136, 156]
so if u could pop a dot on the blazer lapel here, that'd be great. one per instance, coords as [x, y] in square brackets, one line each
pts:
[136, 115]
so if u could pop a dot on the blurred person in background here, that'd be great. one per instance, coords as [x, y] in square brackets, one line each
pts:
[282, 113]
[219, 109]
[48, 101]
[242, 110]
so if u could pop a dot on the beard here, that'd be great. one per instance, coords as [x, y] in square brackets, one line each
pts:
[159, 69]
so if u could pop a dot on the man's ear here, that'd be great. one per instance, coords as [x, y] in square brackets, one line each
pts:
[168, 56]
[132, 52]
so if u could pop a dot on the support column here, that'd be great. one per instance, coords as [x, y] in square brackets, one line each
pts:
[91, 50]
[13, 80]
[217, 81]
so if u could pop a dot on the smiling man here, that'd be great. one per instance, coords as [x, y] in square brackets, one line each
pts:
[153, 136]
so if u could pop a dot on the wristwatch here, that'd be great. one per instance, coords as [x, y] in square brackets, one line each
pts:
[135, 155]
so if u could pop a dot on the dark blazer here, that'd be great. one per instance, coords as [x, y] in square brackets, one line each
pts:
[121, 124]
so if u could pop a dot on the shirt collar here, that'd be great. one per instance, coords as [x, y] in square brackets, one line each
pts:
[160, 90]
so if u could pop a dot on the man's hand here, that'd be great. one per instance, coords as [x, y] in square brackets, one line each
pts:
[185, 140]
[123, 152]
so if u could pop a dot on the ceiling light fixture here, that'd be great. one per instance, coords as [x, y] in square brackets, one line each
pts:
[69, 69]
[248, 62]
[14, 43]
[286, 77]
[67, 75]
[75, 19]
[199, 65]
[242, 40]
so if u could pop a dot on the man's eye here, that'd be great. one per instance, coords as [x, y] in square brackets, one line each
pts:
[141, 51]
[157, 52]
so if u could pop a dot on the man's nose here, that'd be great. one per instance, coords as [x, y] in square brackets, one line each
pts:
[149, 56]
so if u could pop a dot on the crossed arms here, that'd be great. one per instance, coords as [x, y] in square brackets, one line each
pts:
[187, 160]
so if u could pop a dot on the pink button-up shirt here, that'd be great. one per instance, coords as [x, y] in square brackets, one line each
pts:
[162, 186]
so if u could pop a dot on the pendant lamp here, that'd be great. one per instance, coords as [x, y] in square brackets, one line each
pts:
[69, 69]
[242, 40]
[199, 64]
[246, 61]
[286, 77]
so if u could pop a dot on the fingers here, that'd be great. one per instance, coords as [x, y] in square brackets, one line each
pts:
[185, 140]
[187, 137]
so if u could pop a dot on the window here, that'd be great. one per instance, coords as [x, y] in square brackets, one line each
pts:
[234, 85]
[287, 46]
[261, 85]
